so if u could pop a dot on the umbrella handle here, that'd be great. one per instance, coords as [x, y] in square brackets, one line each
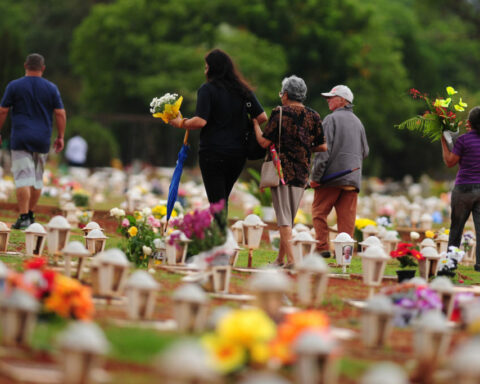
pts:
[185, 138]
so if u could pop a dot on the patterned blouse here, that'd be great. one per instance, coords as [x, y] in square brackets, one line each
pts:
[301, 131]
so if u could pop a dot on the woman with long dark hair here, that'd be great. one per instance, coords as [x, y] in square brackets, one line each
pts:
[221, 114]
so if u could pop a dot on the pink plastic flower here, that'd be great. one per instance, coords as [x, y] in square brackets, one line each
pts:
[153, 222]
[125, 223]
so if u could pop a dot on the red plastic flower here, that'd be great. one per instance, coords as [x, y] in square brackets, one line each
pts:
[35, 263]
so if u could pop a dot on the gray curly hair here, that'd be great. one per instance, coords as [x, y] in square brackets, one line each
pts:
[295, 88]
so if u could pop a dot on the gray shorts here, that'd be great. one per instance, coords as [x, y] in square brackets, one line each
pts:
[286, 200]
[27, 168]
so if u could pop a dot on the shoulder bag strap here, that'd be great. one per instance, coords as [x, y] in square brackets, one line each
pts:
[279, 134]
[280, 130]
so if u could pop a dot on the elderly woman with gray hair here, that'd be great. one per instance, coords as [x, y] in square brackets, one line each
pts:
[301, 134]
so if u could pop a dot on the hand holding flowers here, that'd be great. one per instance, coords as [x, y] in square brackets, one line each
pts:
[440, 116]
[166, 107]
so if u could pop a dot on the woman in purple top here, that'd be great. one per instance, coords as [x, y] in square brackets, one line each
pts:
[466, 193]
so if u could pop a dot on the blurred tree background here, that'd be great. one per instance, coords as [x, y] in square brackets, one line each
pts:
[110, 58]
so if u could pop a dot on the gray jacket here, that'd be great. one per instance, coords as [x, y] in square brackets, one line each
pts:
[347, 147]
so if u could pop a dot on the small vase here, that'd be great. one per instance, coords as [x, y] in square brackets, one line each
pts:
[405, 274]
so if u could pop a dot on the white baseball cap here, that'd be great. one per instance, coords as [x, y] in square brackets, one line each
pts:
[342, 91]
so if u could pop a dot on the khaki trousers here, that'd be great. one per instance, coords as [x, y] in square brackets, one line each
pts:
[345, 204]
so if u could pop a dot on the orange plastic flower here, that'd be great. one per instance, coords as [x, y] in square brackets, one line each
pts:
[291, 328]
[70, 299]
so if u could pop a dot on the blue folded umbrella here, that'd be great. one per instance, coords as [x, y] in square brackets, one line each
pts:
[177, 174]
[336, 175]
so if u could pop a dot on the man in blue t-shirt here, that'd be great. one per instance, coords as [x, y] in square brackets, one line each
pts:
[33, 101]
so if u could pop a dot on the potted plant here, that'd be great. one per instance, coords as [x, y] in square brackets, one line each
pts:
[406, 254]
[80, 198]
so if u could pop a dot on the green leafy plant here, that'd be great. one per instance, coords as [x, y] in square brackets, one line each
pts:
[80, 198]
[253, 187]
[140, 230]
[440, 116]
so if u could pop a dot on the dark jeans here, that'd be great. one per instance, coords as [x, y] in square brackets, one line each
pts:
[465, 200]
[219, 174]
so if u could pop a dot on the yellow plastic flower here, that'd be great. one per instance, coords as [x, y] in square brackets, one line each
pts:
[447, 232]
[442, 103]
[246, 327]
[70, 299]
[429, 234]
[460, 106]
[451, 91]
[224, 355]
[362, 223]
[300, 217]
[170, 111]
[159, 211]
[137, 215]
[132, 231]
[260, 353]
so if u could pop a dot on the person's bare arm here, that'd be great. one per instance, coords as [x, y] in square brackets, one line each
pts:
[264, 143]
[262, 118]
[3, 117]
[191, 124]
[61, 122]
[450, 159]
[320, 148]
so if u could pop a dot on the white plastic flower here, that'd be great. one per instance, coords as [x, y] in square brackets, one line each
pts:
[146, 212]
[414, 235]
[147, 250]
[117, 212]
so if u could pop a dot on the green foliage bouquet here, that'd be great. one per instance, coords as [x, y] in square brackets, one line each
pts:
[440, 116]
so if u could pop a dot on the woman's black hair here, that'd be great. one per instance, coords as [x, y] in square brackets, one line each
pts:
[222, 71]
[474, 118]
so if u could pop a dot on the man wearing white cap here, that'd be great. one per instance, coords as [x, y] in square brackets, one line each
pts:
[347, 147]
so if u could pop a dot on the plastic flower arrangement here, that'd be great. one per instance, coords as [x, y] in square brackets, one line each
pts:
[361, 223]
[58, 294]
[449, 263]
[440, 116]
[412, 300]
[166, 107]
[80, 198]
[406, 254]
[140, 230]
[205, 228]
[468, 240]
[291, 328]
[84, 217]
[241, 338]
[384, 221]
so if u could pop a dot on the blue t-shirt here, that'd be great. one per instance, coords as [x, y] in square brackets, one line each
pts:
[32, 100]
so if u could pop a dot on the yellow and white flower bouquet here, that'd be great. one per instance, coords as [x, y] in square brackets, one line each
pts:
[166, 107]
